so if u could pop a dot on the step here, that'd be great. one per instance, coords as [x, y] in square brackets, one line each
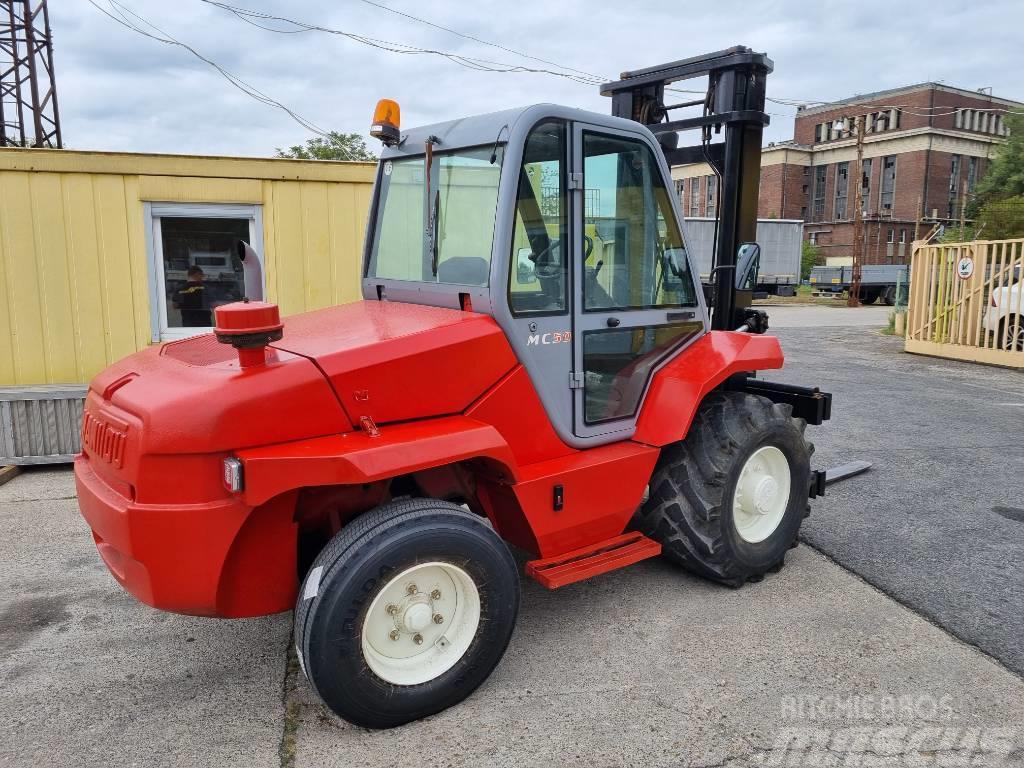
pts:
[605, 556]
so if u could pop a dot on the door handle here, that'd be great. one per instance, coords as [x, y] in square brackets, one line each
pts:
[613, 322]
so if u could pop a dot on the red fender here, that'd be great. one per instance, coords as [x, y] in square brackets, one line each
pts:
[677, 389]
[357, 457]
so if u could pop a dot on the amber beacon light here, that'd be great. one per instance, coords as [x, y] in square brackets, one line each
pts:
[387, 118]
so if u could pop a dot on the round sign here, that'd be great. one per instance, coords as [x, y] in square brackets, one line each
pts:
[387, 168]
[965, 267]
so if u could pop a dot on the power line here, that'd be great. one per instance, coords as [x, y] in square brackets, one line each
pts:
[470, 62]
[123, 15]
[480, 40]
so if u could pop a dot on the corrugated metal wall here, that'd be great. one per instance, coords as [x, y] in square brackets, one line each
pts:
[40, 425]
[74, 292]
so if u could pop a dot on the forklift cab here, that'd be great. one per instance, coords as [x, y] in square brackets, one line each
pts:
[559, 224]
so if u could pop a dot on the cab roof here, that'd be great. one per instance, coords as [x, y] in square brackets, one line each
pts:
[497, 127]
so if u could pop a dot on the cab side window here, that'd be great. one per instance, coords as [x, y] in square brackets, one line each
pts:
[538, 272]
[635, 258]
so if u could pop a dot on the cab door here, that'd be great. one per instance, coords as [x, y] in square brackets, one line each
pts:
[635, 302]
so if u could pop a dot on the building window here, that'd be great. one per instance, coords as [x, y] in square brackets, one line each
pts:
[680, 187]
[695, 196]
[865, 184]
[812, 238]
[199, 261]
[888, 184]
[820, 177]
[842, 189]
[892, 236]
[972, 174]
[952, 204]
[903, 235]
[803, 212]
[712, 188]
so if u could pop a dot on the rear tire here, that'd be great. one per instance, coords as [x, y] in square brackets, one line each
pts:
[405, 612]
[716, 503]
[868, 297]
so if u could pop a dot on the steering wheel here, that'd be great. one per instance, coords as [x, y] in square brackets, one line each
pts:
[546, 267]
[544, 264]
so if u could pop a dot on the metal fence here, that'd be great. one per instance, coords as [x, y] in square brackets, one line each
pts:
[967, 301]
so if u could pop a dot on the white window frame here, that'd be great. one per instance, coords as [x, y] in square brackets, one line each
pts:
[154, 212]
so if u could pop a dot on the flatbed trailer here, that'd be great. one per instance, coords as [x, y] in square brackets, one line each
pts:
[877, 281]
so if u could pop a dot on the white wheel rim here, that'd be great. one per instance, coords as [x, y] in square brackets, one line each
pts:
[762, 494]
[421, 623]
[1013, 341]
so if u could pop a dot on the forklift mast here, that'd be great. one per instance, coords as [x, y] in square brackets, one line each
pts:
[734, 101]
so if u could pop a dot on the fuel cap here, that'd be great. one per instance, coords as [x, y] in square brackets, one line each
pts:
[248, 326]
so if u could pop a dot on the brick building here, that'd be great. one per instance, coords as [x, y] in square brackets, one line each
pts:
[925, 148]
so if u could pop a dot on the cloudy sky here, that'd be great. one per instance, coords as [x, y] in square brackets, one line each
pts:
[121, 91]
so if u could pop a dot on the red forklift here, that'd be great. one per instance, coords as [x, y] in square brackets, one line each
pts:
[533, 364]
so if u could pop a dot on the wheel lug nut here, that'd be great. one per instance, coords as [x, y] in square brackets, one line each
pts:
[438, 618]
[394, 634]
[435, 595]
[411, 589]
[417, 638]
[392, 609]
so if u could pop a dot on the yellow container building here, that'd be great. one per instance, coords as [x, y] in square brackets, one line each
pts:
[102, 254]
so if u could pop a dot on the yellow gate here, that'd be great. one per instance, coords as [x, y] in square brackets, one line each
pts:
[967, 301]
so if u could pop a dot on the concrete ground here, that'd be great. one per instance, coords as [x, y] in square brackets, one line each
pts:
[939, 522]
[645, 667]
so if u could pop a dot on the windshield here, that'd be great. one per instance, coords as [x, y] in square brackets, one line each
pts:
[444, 236]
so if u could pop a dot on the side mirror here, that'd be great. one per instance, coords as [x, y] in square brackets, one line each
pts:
[748, 261]
[526, 270]
[673, 268]
[675, 260]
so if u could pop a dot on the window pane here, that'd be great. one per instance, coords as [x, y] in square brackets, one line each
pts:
[537, 279]
[399, 237]
[842, 186]
[201, 267]
[463, 201]
[635, 257]
[467, 200]
[617, 364]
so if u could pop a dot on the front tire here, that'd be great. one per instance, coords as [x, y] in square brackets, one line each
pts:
[727, 502]
[405, 612]
[1011, 333]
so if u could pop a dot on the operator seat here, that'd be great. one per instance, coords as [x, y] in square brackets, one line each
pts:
[464, 270]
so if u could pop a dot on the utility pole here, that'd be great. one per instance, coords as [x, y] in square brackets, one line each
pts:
[853, 300]
[917, 222]
[963, 213]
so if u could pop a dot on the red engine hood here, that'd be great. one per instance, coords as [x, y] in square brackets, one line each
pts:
[395, 362]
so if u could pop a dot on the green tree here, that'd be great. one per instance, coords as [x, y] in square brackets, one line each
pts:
[334, 146]
[1005, 175]
[810, 257]
[1002, 219]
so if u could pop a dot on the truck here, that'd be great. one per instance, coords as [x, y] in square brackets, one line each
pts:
[781, 242]
[878, 281]
[372, 465]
